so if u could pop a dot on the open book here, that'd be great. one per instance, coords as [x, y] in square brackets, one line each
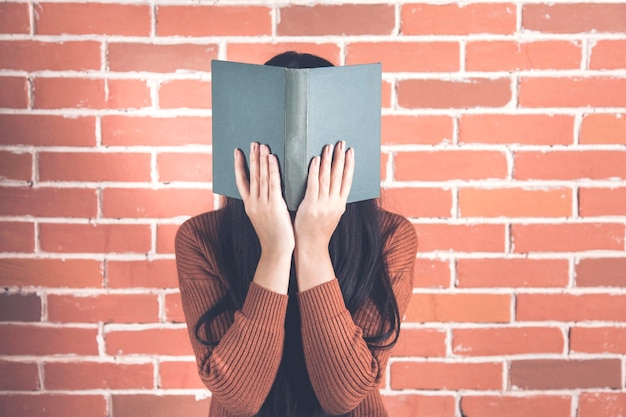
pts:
[296, 112]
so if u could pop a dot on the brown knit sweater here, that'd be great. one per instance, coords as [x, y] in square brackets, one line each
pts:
[240, 370]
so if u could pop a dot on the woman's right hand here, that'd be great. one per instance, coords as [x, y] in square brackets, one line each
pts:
[263, 200]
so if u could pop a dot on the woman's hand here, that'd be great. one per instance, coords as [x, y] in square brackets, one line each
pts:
[263, 200]
[328, 186]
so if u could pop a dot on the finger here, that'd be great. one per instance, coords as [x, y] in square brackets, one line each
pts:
[263, 172]
[312, 186]
[348, 172]
[274, 180]
[241, 179]
[336, 173]
[324, 170]
[254, 169]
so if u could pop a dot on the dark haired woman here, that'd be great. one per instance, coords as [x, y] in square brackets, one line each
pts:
[294, 314]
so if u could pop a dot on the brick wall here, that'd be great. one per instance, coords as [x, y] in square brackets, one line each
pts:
[504, 125]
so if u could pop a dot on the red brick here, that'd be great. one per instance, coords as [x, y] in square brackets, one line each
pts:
[386, 95]
[50, 273]
[449, 165]
[185, 94]
[158, 406]
[44, 130]
[431, 273]
[184, 167]
[179, 375]
[515, 56]
[149, 342]
[598, 340]
[547, 374]
[527, 129]
[27, 55]
[574, 18]
[512, 273]
[508, 406]
[78, 376]
[142, 203]
[446, 376]
[50, 405]
[410, 405]
[406, 56]
[16, 166]
[94, 238]
[107, 308]
[174, 308]
[572, 237]
[460, 237]
[601, 404]
[459, 308]
[458, 19]
[603, 129]
[37, 340]
[17, 237]
[95, 18]
[13, 90]
[601, 272]
[384, 159]
[427, 130]
[570, 307]
[608, 55]
[160, 57]
[213, 21]
[602, 201]
[345, 19]
[14, 18]
[457, 93]
[570, 165]
[165, 237]
[155, 131]
[18, 376]
[572, 92]
[20, 307]
[420, 342]
[60, 93]
[142, 274]
[259, 53]
[515, 202]
[418, 202]
[507, 341]
[93, 167]
[48, 202]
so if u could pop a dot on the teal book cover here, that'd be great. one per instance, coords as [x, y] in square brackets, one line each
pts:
[296, 112]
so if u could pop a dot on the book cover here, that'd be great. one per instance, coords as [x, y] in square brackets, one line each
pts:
[296, 112]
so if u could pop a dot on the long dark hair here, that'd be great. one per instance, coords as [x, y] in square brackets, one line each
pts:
[357, 253]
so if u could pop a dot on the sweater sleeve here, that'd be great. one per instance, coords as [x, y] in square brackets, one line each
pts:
[342, 369]
[240, 370]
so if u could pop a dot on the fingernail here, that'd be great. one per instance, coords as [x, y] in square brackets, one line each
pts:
[235, 153]
[342, 145]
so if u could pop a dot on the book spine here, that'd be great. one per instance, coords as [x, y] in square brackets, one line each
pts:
[296, 166]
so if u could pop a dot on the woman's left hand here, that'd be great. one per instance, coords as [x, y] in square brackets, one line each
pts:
[328, 186]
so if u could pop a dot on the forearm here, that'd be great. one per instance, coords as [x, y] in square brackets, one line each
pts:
[313, 265]
[272, 271]
[242, 367]
[342, 369]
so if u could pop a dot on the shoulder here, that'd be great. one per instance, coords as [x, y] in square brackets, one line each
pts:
[202, 227]
[196, 241]
[400, 244]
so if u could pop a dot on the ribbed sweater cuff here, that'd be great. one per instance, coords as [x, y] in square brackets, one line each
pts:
[320, 303]
[265, 306]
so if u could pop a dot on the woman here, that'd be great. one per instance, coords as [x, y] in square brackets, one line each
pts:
[294, 314]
